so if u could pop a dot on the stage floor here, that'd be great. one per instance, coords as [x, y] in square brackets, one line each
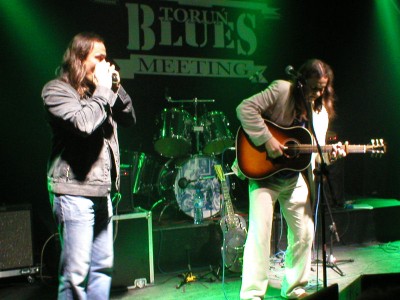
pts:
[208, 284]
[355, 261]
[373, 258]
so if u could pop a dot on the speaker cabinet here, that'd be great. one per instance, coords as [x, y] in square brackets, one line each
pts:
[16, 250]
[380, 286]
[374, 287]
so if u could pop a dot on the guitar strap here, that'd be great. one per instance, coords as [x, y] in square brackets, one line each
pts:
[301, 123]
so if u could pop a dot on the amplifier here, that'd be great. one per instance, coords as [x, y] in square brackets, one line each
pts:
[16, 250]
[125, 204]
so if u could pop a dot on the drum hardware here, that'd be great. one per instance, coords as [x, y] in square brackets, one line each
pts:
[194, 100]
[166, 205]
[157, 203]
[197, 128]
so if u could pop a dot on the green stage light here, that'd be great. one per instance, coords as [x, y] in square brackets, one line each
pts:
[30, 35]
[387, 49]
[388, 14]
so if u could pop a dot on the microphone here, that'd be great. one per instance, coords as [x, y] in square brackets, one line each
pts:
[183, 182]
[114, 78]
[289, 70]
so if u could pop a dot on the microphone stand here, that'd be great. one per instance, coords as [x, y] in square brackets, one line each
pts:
[309, 108]
[320, 189]
[323, 173]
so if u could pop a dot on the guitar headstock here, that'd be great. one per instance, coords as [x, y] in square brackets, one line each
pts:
[377, 147]
[219, 172]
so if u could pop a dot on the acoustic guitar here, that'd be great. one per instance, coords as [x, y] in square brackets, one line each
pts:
[234, 228]
[254, 163]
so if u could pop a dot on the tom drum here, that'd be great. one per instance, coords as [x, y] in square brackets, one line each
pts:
[216, 133]
[174, 139]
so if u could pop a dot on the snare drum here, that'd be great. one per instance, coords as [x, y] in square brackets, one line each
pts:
[186, 180]
[174, 138]
[217, 135]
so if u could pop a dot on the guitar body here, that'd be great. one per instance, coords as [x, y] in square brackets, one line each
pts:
[254, 162]
[235, 238]
[236, 221]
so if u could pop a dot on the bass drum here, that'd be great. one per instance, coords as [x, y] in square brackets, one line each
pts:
[186, 180]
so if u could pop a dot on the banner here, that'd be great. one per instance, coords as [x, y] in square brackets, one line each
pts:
[209, 38]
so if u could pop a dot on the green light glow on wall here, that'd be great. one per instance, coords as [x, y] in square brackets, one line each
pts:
[29, 34]
[389, 22]
[388, 29]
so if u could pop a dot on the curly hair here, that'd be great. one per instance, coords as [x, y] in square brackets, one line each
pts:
[72, 69]
[315, 68]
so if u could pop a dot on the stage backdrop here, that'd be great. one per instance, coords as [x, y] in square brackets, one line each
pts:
[198, 57]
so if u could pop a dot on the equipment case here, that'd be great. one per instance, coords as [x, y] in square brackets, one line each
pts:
[133, 250]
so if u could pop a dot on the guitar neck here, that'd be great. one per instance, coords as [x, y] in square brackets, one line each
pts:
[230, 213]
[228, 203]
[302, 148]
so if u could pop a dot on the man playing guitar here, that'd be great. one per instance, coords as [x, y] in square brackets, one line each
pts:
[305, 100]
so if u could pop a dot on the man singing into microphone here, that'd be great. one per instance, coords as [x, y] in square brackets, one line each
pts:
[83, 107]
[308, 96]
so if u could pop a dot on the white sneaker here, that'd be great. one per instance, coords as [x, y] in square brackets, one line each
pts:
[297, 293]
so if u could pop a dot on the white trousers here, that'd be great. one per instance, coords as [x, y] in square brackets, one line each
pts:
[293, 198]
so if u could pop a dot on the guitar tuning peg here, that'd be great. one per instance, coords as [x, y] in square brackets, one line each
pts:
[381, 142]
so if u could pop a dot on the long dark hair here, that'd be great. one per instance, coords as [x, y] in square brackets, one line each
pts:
[315, 68]
[72, 69]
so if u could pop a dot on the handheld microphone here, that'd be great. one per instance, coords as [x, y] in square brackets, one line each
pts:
[114, 78]
[183, 182]
[289, 70]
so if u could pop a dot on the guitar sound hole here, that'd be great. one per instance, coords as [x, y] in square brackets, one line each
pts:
[291, 151]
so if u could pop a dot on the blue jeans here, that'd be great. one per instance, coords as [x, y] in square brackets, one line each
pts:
[86, 233]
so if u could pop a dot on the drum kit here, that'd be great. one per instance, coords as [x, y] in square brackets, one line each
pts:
[190, 145]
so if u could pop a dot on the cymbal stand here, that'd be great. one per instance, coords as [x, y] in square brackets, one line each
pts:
[188, 276]
[331, 260]
[197, 128]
